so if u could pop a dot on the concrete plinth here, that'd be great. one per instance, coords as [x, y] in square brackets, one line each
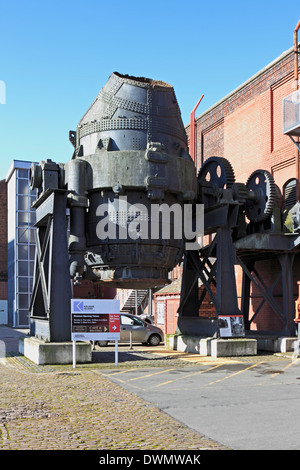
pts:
[233, 347]
[191, 344]
[215, 347]
[41, 352]
[277, 344]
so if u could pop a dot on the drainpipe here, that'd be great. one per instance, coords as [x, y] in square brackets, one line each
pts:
[192, 131]
[296, 73]
[296, 77]
[296, 84]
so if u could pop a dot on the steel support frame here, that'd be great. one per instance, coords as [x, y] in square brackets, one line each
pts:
[212, 265]
[50, 314]
[215, 263]
[252, 276]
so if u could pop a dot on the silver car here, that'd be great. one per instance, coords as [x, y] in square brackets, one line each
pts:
[142, 332]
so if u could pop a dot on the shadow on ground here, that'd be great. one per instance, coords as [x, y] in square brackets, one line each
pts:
[108, 356]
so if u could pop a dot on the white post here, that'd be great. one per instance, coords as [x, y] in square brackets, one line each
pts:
[74, 354]
[130, 335]
[150, 303]
[136, 302]
[116, 353]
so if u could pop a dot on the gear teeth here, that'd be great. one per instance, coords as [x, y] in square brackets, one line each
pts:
[266, 207]
[210, 166]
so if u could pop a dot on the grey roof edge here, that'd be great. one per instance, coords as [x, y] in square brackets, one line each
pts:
[17, 164]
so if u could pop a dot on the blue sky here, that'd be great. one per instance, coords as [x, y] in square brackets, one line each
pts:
[56, 56]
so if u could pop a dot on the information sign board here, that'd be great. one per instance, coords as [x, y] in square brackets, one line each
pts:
[95, 320]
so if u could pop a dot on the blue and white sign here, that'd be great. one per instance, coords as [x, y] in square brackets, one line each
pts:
[95, 306]
[77, 306]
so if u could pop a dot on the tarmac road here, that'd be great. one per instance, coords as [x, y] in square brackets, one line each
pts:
[244, 403]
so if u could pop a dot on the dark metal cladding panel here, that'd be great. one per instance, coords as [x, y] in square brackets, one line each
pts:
[128, 113]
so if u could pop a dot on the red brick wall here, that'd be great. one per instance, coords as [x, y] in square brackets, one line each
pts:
[246, 128]
[171, 315]
[207, 309]
[253, 136]
[89, 290]
[3, 241]
[266, 319]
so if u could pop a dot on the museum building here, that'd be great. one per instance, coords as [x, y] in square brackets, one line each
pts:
[246, 128]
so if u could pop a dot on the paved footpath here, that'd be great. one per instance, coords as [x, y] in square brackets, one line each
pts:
[61, 408]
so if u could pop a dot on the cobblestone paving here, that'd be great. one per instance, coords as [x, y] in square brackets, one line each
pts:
[61, 408]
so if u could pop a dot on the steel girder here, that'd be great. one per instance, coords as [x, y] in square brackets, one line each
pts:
[51, 296]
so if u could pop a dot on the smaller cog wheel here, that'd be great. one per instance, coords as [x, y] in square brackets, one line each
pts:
[217, 170]
[260, 207]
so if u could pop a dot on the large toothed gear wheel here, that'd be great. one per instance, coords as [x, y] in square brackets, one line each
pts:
[217, 170]
[261, 205]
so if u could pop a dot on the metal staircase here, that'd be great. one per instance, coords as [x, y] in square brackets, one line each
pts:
[133, 301]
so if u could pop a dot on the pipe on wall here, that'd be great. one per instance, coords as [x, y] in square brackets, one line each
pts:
[192, 131]
[296, 77]
[296, 71]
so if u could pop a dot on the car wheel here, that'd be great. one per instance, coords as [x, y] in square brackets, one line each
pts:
[154, 340]
[102, 343]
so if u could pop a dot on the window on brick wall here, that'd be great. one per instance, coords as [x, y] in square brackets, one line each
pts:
[290, 193]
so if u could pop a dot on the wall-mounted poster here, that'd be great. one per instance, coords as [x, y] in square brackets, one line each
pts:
[231, 326]
[160, 313]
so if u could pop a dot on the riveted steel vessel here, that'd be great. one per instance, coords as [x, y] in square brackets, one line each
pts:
[130, 157]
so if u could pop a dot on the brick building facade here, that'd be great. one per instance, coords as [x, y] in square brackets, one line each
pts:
[167, 300]
[246, 128]
[3, 241]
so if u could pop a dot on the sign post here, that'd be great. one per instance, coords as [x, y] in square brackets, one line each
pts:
[116, 352]
[95, 320]
[74, 354]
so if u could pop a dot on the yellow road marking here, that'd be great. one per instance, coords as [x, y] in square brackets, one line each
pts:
[119, 372]
[235, 373]
[137, 378]
[185, 376]
[277, 373]
[284, 368]
[150, 375]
